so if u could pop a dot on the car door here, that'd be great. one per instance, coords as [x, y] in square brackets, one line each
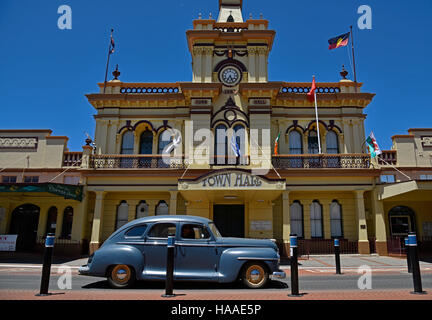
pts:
[196, 255]
[155, 251]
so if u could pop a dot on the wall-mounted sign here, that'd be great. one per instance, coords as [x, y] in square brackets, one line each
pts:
[231, 180]
[259, 102]
[201, 102]
[8, 242]
[261, 225]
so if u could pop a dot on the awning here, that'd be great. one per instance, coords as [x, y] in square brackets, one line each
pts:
[64, 190]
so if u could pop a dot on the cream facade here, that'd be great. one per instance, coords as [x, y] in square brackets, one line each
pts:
[341, 192]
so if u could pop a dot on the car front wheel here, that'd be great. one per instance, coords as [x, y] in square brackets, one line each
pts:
[254, 275]
[121, 276]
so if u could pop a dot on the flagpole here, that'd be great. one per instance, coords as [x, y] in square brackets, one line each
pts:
[354, 64]
[317, 122]
[108, 59]
[395, 168]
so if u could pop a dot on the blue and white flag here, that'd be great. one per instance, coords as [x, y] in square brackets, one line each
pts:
[234, 146]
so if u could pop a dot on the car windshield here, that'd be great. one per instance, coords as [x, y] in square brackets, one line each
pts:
[215, 231]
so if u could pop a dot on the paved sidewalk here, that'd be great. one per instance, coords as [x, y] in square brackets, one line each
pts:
[220, 295]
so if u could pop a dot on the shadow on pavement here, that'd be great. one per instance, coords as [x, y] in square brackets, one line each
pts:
[185, 285]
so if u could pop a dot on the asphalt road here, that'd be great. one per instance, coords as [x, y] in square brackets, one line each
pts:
[306, 283]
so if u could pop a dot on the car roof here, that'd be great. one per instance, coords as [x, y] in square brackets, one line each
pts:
[167, 218]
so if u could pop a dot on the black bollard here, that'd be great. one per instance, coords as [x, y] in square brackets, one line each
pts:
[415, 266]
[408, 254]
[294, 267]
[46, 269]
[337, 255]
[169, 281]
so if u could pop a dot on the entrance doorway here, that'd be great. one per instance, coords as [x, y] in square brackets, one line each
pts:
[229, 219]
[24, 223]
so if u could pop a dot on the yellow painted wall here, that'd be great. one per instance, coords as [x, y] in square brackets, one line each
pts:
[345, 199]
[277, 219]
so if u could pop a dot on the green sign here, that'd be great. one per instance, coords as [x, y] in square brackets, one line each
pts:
[66, 191]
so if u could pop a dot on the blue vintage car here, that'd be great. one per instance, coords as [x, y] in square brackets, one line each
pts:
[137, 251]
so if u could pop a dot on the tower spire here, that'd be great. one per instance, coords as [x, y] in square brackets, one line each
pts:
[230, 11]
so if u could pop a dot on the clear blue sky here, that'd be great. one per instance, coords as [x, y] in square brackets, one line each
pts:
[45, 72]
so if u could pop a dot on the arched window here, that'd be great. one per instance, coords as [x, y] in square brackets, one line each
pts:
[51, 221]
[146, 142]
[142, 210]
[66, 232]
[313, 142]
[122, 214]
[332, 142]
[316, 220]
[161, 143]
[161, 208]
[221, 144]
[296, 219]
[295, 142]
[240, 133]
[127, 146]
[336, 219]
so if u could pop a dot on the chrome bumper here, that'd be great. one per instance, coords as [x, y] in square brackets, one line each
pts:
[84, 270]
[278, 275]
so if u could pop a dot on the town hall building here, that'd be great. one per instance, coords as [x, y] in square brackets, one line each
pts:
[239, 179]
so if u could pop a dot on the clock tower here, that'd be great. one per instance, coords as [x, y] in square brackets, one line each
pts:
[230, 50]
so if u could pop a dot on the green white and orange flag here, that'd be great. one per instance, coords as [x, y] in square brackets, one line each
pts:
[276, 145]
[372, 145]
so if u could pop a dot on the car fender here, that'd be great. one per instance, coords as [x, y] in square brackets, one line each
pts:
[116, 254]
[233, 259]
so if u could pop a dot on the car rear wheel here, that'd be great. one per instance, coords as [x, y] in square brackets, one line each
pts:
[121, 276]
[254, 275]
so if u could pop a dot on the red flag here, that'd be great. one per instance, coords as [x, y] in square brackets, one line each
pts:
[311, 96]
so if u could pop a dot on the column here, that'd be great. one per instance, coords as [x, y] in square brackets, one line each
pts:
[5, 219]
[80, 217]
[152, 206]
[97, 221]
[380, 227]
[347, 136]
[326, 218]
[43, 216]
[173, 203]
[363, 242]
[197, 65]
[112, 133]
[286, 228]
[356, 137]
[262, 62]
[132, 204]
[208, 62]
[252, 64]
[101, 137]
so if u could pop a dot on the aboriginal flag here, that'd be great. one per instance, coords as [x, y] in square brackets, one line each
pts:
[340, 41]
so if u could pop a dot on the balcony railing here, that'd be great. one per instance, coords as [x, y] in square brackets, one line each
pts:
[72, 159]
[387, 157]
[314, 161]
[135, 162]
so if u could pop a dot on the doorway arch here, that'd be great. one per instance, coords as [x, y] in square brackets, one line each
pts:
[24, 223]
[401, 221]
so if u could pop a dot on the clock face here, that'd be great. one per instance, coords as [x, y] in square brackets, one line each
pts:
[230, 76]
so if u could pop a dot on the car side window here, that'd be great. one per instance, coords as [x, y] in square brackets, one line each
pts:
[194, 231]
[136, 232]
[162, 230]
